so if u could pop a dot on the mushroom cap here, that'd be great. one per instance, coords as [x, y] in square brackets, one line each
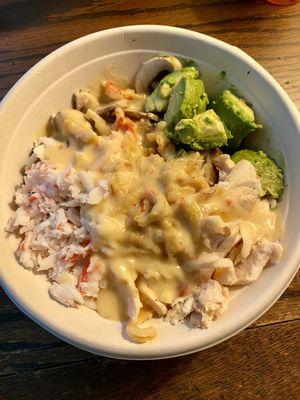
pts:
[124, 105]
[84, 100]
[151, 68]
[73, 124]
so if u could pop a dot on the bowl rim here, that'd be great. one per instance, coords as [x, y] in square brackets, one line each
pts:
[137, 353]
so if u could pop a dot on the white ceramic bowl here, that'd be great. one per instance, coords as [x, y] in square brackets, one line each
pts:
[48, 86]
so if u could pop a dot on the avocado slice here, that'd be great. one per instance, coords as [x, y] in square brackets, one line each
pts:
[187, 99]
[157, 102]
[203, 132]
[271, 176]
[236, 115]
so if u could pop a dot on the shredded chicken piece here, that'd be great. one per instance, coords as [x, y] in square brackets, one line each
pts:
[208, 301]
[151, 299]
[261, 254]
[248, 233]
[210, 265]
[181, 308]
[224, 165]
[243, 199]
[127, 287]
[213, 225]
[243, 174]
[224, 246]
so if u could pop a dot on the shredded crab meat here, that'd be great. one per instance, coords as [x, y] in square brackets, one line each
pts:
[114, 92]
[54, 238]
[122, 122]
[66, 294]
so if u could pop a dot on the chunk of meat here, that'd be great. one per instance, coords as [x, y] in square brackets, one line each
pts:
[235, 253]
[219, 236]
[208, 301]
[243, 174]
[152, 207]
[248, 233]
[182, 176]
[151, 299]
[224, 165]
[181, 308]
[123, 123]
[276, 255]
[224, 246]
[242, 199]
[126, 283]
[66, 294]
[213, 225]
[211, 264]
[92, 277]
[261, 254]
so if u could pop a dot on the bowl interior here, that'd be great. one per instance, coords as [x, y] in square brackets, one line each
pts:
[48, 87]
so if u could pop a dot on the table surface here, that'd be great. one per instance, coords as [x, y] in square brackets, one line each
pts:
[262, 362]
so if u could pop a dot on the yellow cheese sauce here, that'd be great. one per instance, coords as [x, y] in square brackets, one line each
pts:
[150, 219]
[110, 304]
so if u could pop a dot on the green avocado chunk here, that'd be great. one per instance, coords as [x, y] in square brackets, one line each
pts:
[187, 99]
[157, 102]
[203, 132]
[236, 115]
[271, 176]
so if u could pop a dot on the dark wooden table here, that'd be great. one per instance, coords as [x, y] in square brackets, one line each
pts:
[262, 362]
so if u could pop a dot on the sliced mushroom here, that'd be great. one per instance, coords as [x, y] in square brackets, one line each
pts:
[140, 114]
[99, 124]
[108, 107]
[151, 68]
[85, 100]
[130, 112]
[209, 169]
[73, 124]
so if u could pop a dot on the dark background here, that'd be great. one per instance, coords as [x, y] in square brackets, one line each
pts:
[262, 362]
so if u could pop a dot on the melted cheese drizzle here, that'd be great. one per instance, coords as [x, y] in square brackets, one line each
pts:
[140, 179]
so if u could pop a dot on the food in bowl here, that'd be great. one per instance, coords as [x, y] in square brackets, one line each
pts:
[134, 207]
